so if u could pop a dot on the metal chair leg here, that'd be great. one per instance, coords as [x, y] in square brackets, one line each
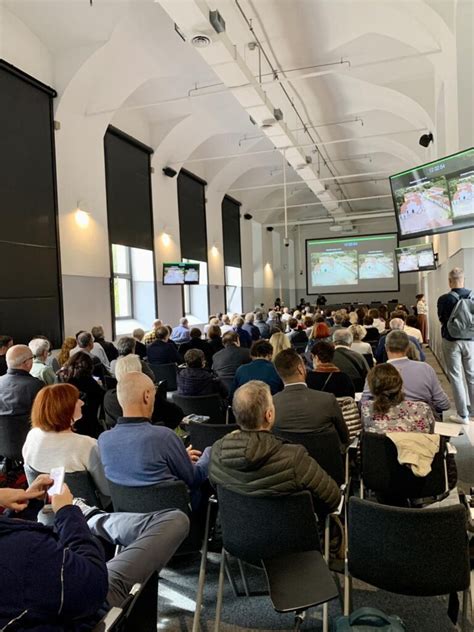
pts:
[231, 579]
[220, 593]
[244, 578]
[202, 572]
[347, 589]
[361, 489]
[299, 619]
[465, 610]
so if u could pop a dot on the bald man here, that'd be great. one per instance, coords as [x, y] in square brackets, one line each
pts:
[17, 387]
[137, 454]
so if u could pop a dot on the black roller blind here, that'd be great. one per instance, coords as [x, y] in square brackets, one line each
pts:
[192, 216]
[129, 208]
[231, 232]
[30, 287]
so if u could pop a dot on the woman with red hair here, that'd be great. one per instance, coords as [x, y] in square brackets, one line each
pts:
[52, 441]
[320, 332]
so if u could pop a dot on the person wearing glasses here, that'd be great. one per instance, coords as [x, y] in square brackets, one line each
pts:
[18, 388]
[39, 347]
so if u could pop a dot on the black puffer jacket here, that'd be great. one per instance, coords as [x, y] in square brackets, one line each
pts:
[258, 463]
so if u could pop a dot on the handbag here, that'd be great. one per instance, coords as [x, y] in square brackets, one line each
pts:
[369, 620]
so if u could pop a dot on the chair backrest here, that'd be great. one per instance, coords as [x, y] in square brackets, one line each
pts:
[204, 435]
[300, 347]
[262, 527]
[13, 431]
[351, 414]
[369, 359]
[324, 447]
[166, 372]
[81, 485]
[208, 405]
[109, 382]
[383, 474]
[162, 389]
[165, 495]
[419, 552]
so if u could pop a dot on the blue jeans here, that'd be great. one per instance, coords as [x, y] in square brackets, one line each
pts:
[459, 357]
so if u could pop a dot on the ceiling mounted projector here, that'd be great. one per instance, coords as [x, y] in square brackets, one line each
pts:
[336, 228]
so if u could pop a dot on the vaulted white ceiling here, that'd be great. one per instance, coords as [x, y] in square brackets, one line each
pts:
[366, 78]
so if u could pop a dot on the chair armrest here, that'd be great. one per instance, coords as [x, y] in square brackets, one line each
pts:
[354, 444]
[109, 620]
[450, 448]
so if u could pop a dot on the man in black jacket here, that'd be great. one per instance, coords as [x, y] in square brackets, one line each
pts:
[17, 387]
[65, 581]
[109, 347]
[226, 362]
[349, 362]
[5, 343]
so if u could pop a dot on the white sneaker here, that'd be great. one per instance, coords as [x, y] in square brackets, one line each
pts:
[459, 420]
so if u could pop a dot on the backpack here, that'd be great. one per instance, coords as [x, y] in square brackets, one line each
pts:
[369, 620]
[461, 321]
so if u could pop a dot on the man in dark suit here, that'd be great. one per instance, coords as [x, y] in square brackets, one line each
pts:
[349, 362]
[302, 409]
[226, 362]
[18, 388]
[162, 351]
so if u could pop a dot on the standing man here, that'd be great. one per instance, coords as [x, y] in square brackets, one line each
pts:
[458, 351]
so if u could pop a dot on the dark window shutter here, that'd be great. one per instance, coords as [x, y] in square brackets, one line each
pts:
[192, 216]
[231, 232]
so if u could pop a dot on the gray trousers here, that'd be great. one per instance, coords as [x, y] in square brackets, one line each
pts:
[150, 540]
[459, 357]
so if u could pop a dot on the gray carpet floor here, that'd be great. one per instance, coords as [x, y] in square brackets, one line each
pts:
[177, 589]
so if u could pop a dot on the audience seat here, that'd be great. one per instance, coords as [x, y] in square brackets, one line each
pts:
[395, 483]
[202, 435]
[211, 406]
[168, 372]
[279, 533]
[415, 552]
[149, 498]
[138, 612]
[13, 431]
[81, 485]
[324, 447]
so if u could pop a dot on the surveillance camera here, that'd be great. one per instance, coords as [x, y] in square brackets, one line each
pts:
[301, 272]
[286, 241]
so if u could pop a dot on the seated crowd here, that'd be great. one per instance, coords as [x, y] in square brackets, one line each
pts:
[103, 408]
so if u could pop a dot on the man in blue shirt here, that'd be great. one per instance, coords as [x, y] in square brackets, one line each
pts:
[260, 368]
[396, 324]
[181, 333]
[136, 453]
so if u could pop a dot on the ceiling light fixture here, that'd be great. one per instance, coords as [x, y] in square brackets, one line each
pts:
[201, 41]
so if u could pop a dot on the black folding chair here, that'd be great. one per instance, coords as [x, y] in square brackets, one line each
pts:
[81, 485]
[150, 498]
[204, 435]
[415, 552]
[324, 447]
[211, 406]
[279, 533]
[13, 431]
[166, 372]
[138, 612]
[396, 484]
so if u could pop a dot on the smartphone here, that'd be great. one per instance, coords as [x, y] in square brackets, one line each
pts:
[57, 474]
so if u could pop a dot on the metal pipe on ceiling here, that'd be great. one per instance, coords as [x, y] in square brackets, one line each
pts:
[330, 220]
[355, 199]
[303, 146]
[279, 184]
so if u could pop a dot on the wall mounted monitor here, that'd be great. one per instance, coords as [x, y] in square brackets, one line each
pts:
[417, 258]
[435, 198]
[180, 273]
[351, 264]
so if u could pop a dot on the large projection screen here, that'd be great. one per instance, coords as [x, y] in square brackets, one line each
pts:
[352, 264]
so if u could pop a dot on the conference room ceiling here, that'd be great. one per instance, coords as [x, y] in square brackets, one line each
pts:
[362, 72]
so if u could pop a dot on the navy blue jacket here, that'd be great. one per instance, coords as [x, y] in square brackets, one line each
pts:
[381, 353]
[244, 336]
[160, 352]
[49, 580]
[252, 330]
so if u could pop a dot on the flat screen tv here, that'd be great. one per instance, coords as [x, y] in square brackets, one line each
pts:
[416, 258]
[435, 198]
[180, 273]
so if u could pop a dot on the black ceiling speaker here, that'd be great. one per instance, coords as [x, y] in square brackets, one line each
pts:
[168, 171]
[248, 216]
[270, 228]
[426, 139]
